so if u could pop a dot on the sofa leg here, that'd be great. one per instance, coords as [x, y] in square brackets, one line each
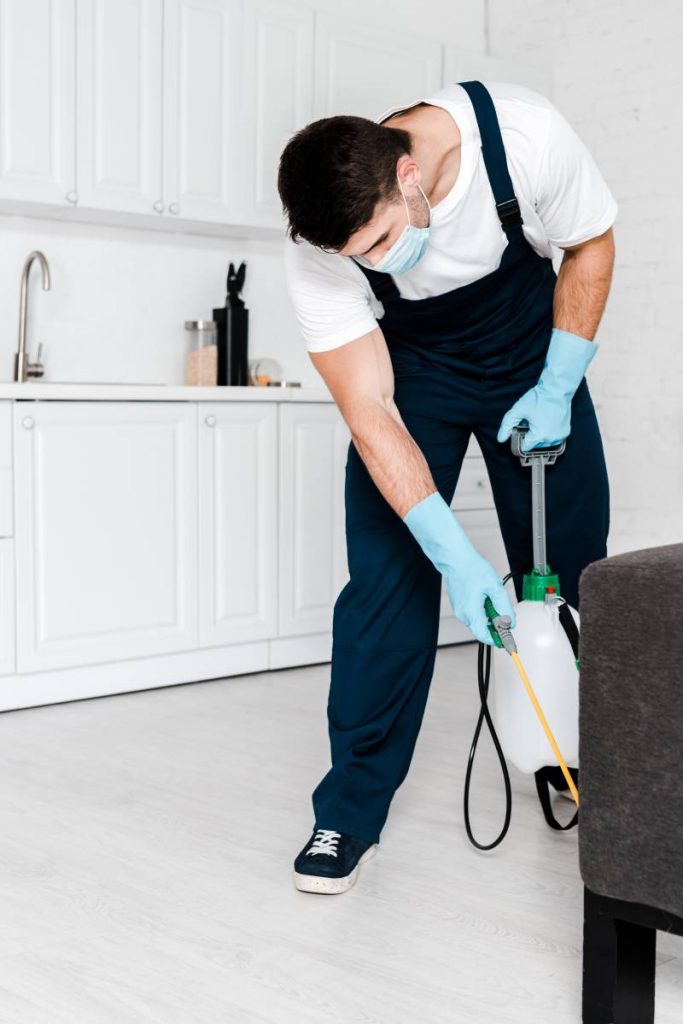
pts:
[634, 996]
[618, 967]
[599, 962]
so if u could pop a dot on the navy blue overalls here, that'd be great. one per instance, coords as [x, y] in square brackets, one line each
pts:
[460, 359]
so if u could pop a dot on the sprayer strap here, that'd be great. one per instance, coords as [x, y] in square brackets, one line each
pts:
[568, 623]
[543, 781]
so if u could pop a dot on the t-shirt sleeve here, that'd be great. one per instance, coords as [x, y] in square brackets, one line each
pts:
[331, 301]
[572, 199]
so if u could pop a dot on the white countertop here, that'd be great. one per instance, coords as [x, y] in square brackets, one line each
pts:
[32, 390]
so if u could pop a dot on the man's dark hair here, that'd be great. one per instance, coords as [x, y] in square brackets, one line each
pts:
[333, 173]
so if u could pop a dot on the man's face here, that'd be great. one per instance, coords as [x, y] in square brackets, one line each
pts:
[389, 221]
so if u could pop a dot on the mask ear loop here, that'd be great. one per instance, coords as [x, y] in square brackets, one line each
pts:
[403, 196]
[405, 203]
[428, 206]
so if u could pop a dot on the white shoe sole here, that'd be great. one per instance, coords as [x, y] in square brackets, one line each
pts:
[330, 886]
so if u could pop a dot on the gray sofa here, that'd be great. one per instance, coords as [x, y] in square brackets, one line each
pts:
[631, 776]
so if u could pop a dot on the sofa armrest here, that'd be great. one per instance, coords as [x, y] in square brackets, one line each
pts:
[631, 727]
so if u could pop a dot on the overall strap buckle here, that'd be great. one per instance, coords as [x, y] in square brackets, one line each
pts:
[493, 152]
[509, 213]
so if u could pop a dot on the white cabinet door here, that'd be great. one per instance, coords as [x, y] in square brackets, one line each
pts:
[6, 472]
[277, 98]
[313, 444]
[37, 100]
[106, 531]
[363, 69]
[119, 104]
[7, 655]
[202, 89]
[237, 521]
[461, 66]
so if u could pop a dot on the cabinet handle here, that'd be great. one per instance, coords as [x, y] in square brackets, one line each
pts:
[72, 196]
[158, 206]
[210, 421]
[174, 208]
[28, 422]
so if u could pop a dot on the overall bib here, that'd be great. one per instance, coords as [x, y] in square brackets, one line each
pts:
[460, 360]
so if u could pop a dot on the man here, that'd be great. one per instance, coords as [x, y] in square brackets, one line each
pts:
[419, 265]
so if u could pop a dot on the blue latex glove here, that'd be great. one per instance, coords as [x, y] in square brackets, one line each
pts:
[469, 577]
[547, 406]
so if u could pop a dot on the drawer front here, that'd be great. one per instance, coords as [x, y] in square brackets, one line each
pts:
[6, 482]
[474, 489]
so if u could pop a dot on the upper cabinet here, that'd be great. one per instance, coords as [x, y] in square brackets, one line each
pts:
[277, 98]
[119, 105]
[364, 70]
[176, 111]
[37, 100]
[203, 88]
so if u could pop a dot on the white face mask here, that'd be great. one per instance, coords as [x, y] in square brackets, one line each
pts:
[408, 248]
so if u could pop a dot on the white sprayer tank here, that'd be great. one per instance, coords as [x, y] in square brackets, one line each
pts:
[548, 659]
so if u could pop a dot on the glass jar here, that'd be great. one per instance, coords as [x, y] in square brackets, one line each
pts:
[201, 362]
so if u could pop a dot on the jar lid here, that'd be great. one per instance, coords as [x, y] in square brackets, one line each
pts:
[200, 325]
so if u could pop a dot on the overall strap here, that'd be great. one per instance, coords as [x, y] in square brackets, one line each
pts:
[493, 152]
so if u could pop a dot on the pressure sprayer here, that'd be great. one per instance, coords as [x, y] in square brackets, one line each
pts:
[528, 726]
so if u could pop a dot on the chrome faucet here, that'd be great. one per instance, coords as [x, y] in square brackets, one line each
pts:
[23, 368]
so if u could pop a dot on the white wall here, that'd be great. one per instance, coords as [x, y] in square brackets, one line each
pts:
[120, 296]
[618, 79]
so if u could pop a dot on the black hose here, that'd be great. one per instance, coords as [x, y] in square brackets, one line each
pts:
[483, 674]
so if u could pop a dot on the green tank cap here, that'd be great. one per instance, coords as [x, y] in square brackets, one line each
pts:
[534, 585]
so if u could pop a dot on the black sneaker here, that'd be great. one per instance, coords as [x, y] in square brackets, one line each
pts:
[329, 861]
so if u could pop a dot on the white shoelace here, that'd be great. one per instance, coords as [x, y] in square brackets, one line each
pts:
[325, 842]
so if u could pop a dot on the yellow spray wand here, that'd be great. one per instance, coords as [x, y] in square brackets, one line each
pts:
[499, 628]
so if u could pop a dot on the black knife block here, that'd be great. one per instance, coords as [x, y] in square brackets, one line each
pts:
[232, 323]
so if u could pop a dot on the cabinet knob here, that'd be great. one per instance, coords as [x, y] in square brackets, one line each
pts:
[210, 421]
[174, 208]
[158, 206]
[28, 422]
[72, 196]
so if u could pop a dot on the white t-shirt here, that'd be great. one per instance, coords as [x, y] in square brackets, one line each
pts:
[563, 198]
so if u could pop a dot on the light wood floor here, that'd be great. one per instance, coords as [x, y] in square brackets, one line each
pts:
[146, 851]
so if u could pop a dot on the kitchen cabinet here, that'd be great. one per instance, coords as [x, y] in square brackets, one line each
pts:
[37, 100]
[6, 474]
[7, 606]
[105, 532]
[313, 444]
[238, 487]
[202, 90]
[119, 74]
[174, 113]
[277, 99]
[178, 537]
[365, 69]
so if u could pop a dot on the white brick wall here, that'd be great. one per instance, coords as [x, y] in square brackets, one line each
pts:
[618, 80]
